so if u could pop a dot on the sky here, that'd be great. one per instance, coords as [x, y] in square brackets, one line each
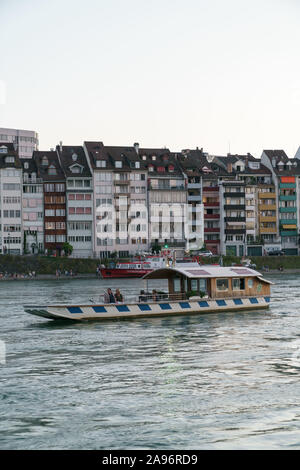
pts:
[219, 75]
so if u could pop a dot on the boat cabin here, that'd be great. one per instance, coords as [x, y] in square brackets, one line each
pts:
[211, 281]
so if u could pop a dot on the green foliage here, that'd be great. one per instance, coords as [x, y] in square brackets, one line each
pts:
[68, 248]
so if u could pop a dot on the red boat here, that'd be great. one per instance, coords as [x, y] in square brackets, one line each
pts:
[134, 268]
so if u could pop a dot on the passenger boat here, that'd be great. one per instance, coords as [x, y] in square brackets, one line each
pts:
[192, 289]
[133, 268]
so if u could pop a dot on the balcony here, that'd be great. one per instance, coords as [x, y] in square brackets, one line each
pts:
[211, 216]
[234, 195]
[194, 198]
[266, 195]
[235, 219]
[210, 189]
[267, 218]
[211, 242]
[235, 231]
[289, 233]
[211, 229]
[194, 185]
[122, 182]
[267, 207]
[290, 197]
[288, 221]
[287, 209]
[211, 204]
[287, 185]
[232, 207]
[267, 230]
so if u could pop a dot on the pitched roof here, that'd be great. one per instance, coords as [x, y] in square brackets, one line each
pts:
[69, 156]
[51, 160]
[10, 151]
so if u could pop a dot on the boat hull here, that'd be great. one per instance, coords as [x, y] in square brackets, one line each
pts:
[144, 310]
[123, 273]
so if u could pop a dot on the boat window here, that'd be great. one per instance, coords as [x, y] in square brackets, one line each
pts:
[238, 284]
[202, 285]
[177, 285]
[222, 284]
[250, 283]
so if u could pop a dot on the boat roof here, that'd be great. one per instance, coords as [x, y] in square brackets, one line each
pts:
[203, 271]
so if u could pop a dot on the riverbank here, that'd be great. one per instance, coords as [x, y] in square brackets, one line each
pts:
[41, 266]
[44, 277]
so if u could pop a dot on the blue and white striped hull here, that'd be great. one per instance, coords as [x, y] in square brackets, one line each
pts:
[155, 309]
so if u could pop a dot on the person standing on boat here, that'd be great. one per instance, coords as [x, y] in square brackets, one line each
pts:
[109, 297]
[118, 296]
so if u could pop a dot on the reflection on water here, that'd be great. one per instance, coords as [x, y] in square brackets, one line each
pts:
[227, 380]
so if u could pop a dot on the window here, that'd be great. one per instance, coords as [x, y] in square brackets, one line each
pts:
[52, 170]
[238, 284]
[60, 187]
[250, 283]
[49, 188]
[118, 164]
[50, 225]
[222, 284]
[177, 285]
[101, 163]
[49, 213]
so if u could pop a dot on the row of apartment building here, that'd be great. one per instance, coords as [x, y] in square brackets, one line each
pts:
[104, 199]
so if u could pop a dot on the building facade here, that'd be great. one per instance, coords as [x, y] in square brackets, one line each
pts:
[10, 200]
[54, 192]
[26, 142]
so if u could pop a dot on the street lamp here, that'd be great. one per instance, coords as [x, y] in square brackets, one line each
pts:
[8, 236]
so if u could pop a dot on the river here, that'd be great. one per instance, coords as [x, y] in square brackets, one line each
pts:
[214, 381]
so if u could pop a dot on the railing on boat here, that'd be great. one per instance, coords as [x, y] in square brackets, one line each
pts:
[148, 297]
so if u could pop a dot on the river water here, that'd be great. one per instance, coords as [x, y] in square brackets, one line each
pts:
[214, 381]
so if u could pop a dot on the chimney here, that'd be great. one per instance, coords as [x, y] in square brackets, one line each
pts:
[229, 167]
[60, 146]
[136, 147]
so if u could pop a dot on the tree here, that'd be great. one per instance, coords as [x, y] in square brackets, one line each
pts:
[67, 248]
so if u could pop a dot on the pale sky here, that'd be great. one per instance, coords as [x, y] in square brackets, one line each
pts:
[222, 75]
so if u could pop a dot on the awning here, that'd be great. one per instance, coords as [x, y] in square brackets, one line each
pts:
[292, 226]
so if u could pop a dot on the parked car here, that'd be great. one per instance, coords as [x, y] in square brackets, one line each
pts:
[205, 253]
[276, 253]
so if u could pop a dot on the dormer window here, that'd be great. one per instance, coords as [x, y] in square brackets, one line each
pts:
[52, 170]
[161, 169]
[137, 165]
[3, 149]
[75, 169]
[10, 159]
[101, 164]
[153, 158]
[151, 168]
[144, 157]
[45, 161]
[171, 168]
[74, 157]
[26, 165]
[118, 164]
